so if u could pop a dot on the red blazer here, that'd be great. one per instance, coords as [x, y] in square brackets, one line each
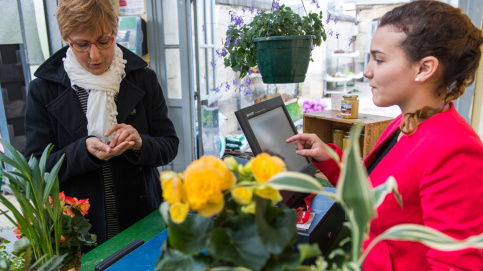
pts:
[439, 171]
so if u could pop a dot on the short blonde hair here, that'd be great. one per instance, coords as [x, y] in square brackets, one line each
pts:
[86, 15]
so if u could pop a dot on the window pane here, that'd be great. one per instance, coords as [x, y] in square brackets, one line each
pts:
[174, 73]
[170, 14]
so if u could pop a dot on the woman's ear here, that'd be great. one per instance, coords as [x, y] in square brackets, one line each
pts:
[427, 68]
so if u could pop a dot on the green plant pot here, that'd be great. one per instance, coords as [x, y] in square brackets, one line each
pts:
[283, 59]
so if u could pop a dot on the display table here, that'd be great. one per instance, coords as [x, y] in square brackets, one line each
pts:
[145, 229]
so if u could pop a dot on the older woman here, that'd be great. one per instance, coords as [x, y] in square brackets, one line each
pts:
[103, 109]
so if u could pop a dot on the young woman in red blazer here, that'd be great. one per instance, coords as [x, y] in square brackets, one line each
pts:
[423, 55]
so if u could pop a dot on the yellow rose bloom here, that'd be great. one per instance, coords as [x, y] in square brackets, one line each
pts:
[264, 166]
[269, 193]
[242, 195]
[172, 187]
[202, 186]
[178, 212]
[227, 179]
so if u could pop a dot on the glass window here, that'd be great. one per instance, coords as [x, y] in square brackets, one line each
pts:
[173, 73]
[170, 14]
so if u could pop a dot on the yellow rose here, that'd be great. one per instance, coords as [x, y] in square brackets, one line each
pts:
[202, 186]
[269, 193]
[242, 195]
[172, 186]
[166, 176]
[178, 212]
[265, 166]
[227, 179]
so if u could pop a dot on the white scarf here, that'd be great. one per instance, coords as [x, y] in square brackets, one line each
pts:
[101, 107]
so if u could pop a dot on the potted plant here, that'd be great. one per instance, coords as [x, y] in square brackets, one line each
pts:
[236, 226]
[280, 43]
[50, 224]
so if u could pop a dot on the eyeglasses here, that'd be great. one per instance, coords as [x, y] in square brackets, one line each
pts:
[85, 46]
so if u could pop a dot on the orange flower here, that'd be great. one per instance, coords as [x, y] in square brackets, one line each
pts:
[83, 206]
[62, 199]
[265, 166]
[70, 201]
[17, 232]
[68, 211]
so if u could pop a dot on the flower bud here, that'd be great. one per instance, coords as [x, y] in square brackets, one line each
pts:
[231, 163]
[178, 212]
[242, 195]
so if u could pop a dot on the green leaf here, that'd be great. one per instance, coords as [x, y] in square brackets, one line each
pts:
[427, 236]
[299, 182]
[20, 246]
[238, 243]
[52, 179]
[189, 236]
[380, 192]
[276, 225]
[173, 260]
[353, 188]
[308, 251]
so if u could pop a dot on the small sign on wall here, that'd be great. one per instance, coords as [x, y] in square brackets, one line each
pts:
[131, 7]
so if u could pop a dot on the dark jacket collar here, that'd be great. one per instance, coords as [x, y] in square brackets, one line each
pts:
[53, 68]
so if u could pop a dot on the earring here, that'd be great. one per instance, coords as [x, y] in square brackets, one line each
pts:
[417, 79]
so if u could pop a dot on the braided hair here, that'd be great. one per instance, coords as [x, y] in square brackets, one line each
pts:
[437, 29]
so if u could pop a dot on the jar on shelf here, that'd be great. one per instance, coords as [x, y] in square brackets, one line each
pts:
[345, 141]
[349, 107]
[338, 136]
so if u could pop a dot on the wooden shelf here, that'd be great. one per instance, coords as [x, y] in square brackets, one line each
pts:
[322, 123]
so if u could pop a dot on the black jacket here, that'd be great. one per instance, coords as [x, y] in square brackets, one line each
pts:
[54, 115]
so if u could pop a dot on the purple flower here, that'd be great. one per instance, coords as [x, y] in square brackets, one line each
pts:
[223, 51]
[249, 90]
[317, 6]
[328, 18]
[213, 64]
[313, 46]
[236, 41]
[203, 28]
[243, 9]
[313, 1]
[235, 83]
[337, 35]
[217, 89]
[350, 42]
[296, 91]
[228, 41]
[330, 32]
[276, 5]
[258, 11]
[248, 82]
[238, 21]
[252, 9]
[227, 87]
[335, 20]
[229, 28]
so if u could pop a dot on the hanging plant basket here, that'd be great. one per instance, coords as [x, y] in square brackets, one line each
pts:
[283, 59]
